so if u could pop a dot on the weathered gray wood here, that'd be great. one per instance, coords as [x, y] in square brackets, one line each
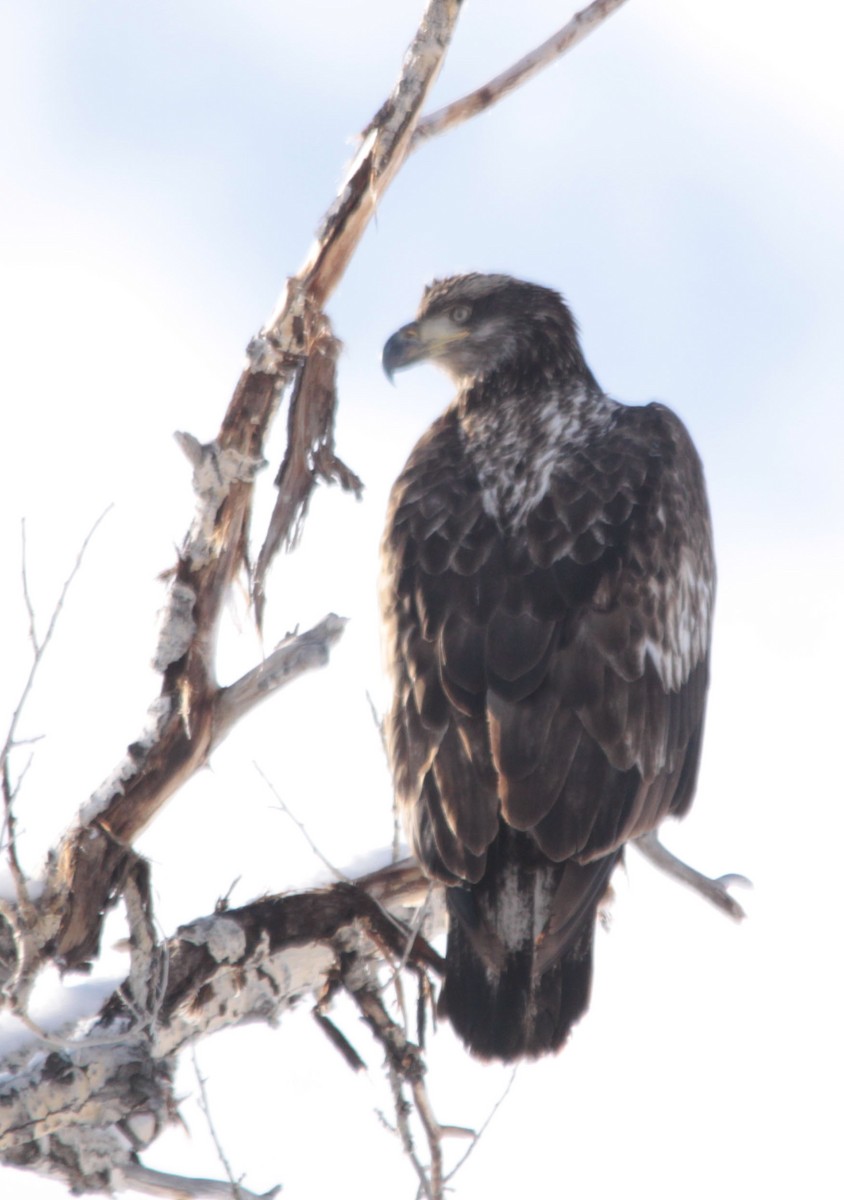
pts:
[80, 1109]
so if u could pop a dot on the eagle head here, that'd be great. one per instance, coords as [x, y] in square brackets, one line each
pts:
[473, 325]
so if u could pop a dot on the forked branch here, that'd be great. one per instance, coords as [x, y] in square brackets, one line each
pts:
[531, 64]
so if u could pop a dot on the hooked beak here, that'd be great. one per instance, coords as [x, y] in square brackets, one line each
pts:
[431, 337]
[403, 349]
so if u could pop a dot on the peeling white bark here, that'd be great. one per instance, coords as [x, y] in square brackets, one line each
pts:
[80, 1112]
[291, 658]
[114, 784]
[215, 470]
[566, 38]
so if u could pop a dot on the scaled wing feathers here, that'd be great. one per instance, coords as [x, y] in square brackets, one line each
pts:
[558, 677]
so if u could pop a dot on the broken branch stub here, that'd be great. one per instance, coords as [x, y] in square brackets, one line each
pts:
[86, 878]
[83, 1112]
[299, 327]
[309, 455]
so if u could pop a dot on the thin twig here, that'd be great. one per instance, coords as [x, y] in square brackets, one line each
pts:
[222, 904]
[412, 934]
[9, 829]
[40, 647]
[468, 106]
[218, 1145]
[477, 1137]
[27, 599]
[405, 1068]
[391, 918]
[335, 871]
[398, 987]
[23, 922]
[378, 722]
[416, 926]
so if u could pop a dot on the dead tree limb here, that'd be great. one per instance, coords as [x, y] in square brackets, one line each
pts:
[299, 324]
[181, 1187]
[192, 711]
[716, 891]
[573, 32]
[85, 1110]
[91, 862]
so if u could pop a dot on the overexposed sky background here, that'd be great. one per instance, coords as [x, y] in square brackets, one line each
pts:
[680, 177]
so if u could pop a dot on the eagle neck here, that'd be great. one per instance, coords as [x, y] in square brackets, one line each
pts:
[517, 434]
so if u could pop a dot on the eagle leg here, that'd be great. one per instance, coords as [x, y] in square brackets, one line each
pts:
[716, 891]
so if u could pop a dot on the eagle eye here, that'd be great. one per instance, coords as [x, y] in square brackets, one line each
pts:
[460, 314]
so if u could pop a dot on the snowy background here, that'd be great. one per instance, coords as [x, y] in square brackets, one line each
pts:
[680, 177]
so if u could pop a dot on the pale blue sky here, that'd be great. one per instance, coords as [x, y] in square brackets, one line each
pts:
[680, 177]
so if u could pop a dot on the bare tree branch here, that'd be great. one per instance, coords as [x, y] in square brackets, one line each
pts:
[181, 1187]
[293, 657]
[39, 647]
[27, 599]
[22, 921]
[83, 1111]
[193, 712]
[237, 1192]
[405, 1068]
[91, 860]
[384, 147]
[713, 890]
[477, 1136]
[299, 331]
[302, 829]
[338, 1040]
[239, 965]
[475, 102]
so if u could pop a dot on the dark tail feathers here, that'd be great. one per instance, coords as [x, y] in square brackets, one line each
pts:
[519, 955]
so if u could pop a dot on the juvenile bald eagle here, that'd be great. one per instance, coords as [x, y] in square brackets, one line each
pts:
[547, 599]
